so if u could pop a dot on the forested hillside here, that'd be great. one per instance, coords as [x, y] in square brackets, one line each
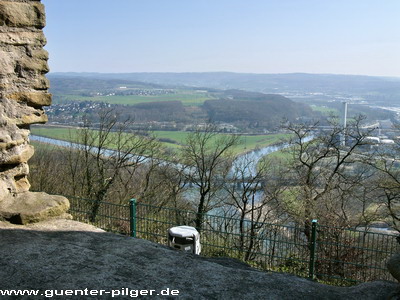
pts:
[149, 103]
[255, 109]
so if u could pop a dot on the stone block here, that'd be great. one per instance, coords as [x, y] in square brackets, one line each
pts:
[34, 64]
[9, 178]
[16, 155]
[19, 114]
[41, 83]
[7, 63]
[38, 117]
[40, 54]
[35, 99]
[32, 207]
[11, 136]
[20, 14]
[23, 38]
[7, 144]
[5, 140]
[22, 184]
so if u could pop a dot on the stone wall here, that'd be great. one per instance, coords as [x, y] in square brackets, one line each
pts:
[23, 90]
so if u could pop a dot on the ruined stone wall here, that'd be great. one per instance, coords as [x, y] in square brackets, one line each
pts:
[23, 88]
[23, 93]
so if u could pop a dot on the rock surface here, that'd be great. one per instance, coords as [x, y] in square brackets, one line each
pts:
[64, 254]
[23, 93]
[393, 266]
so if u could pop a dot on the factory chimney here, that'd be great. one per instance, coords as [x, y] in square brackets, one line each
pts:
[344, 122]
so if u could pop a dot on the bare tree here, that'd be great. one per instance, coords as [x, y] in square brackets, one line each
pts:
[107, 152]
[387, 180]
[254, 193]
[326, 175]
[209, 156]
[48, 169]
[328, 180]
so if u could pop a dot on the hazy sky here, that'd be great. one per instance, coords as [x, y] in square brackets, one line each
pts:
[255, 36]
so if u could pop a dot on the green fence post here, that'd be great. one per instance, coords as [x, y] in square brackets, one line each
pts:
[132, 216]
[313, 249]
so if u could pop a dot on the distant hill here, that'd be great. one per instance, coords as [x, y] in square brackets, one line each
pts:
[246, 96]
[244, 109]
[249, 101]
[255, 109]
[63, 84]
[266, 83]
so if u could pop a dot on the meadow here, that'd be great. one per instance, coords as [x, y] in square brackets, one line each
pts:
[170, 139]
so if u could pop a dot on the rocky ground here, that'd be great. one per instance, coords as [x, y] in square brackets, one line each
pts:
[63, 254]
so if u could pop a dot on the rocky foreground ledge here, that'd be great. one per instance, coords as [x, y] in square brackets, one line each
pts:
[64, 254]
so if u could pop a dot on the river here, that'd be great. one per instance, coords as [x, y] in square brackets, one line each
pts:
[247, 161]
[250, 160]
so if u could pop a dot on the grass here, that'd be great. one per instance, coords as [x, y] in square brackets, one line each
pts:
[186, 97]
[178, 137]
[280, 155]
[251, 142]
[246, 143]
[58, 133]
[170, 139]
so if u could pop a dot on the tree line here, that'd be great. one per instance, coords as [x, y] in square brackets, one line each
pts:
[343, 184]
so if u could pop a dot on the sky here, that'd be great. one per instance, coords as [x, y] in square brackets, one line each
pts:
[360, 37]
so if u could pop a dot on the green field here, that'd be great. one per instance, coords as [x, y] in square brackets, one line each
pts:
[280, 155]
[53, 132]
[246, 143]
[250, 142]
[187, 98]
[174, 138]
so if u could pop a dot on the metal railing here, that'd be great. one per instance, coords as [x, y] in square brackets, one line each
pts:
[332, 255]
